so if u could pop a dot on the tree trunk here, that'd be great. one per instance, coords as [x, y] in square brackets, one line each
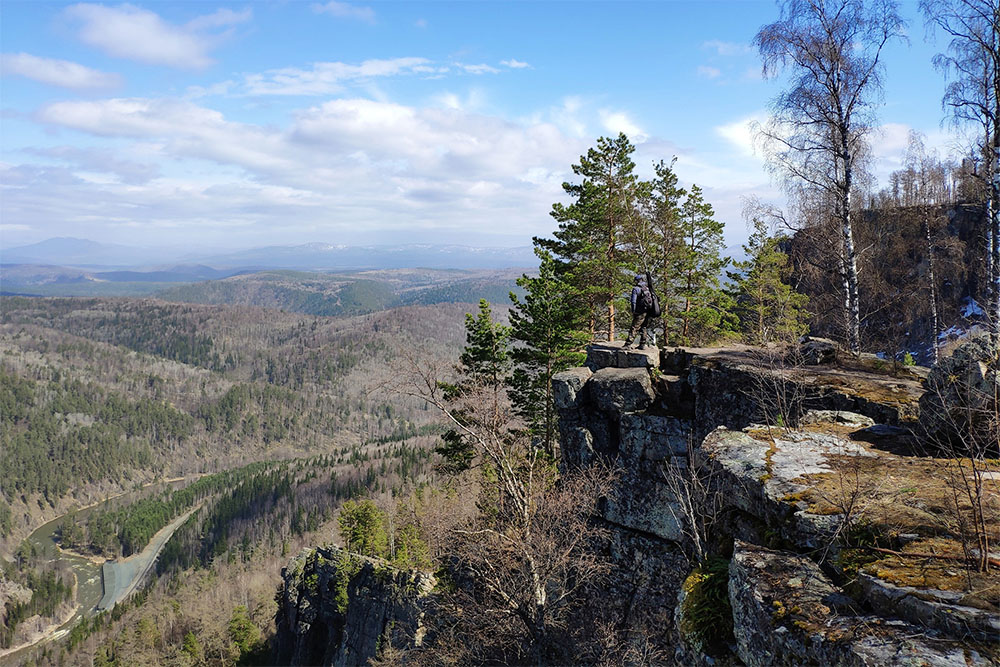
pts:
[993, 310]
[932, 284]
[850, 255]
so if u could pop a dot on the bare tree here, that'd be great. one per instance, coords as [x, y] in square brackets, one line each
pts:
[922, 169]
[972, 61]
[524, 560]
[817, 136]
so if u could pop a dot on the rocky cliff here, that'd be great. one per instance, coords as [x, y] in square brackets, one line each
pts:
[766, 513]
[340, 609]
[840, 550]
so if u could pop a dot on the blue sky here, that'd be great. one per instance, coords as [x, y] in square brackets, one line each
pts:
[231, 125]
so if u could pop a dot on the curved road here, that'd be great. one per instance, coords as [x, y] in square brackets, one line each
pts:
[126, 573]
[123, 576]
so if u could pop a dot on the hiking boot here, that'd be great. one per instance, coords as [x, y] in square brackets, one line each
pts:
[628, 345]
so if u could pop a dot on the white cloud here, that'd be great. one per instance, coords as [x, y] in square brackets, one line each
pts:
[890, 140]
[474, 100]
[222, 18]
[477, 69]
[619, 121]
[727, 48]
[138, 34]
[327, 77]
[567, 116]
[345, 10]
[339, 170]
[514, 64]
[420, 23]
[709, 72]
[740, 133]
[62, 73]
[101, 161]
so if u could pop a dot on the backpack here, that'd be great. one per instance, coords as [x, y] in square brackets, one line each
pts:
[652, 303]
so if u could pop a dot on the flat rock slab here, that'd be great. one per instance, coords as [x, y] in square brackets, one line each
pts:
[614, 355]
[786, 612]
[619, 390]
[759, 478]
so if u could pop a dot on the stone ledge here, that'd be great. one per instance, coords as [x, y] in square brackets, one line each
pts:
[613, 355]
[918, 606]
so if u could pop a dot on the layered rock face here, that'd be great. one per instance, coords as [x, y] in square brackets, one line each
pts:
[340, 609]
[776, 501]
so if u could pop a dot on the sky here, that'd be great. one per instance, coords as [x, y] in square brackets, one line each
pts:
[217, 125]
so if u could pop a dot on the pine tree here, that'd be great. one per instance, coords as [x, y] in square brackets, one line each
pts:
[657, 235]
[590, 242]
[546, 324]
[768, 307]
[485, 358]
[699, 308]
[484, 368]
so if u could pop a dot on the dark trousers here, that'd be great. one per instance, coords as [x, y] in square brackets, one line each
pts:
[640, 320]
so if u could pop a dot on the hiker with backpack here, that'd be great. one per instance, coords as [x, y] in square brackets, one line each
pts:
[645, 308]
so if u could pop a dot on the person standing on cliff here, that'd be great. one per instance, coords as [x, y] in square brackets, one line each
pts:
[642, 301]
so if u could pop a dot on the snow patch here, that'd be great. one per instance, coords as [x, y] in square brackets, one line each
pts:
[971, 308]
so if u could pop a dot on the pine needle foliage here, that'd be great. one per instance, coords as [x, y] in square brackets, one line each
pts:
[768, 307]
[700, 309]
[590, 243]
[545, 330]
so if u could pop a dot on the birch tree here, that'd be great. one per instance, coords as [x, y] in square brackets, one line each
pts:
[972, 98]
[817, 136]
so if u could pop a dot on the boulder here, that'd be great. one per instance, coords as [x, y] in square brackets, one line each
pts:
[646, 506]
[959, 410]
[836, 417]
[619, 390]
[567, 385]
[816, 351]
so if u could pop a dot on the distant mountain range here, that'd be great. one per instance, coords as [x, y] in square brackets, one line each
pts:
[153, 262]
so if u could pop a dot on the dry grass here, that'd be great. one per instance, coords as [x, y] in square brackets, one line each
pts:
[913, 497]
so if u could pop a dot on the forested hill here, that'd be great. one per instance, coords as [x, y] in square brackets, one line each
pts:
[97, 394]
[313, 293]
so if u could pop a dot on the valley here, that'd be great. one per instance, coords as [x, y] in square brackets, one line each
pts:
[290, 413]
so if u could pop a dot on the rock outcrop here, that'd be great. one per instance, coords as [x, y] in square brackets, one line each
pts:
[787, 612]
[835, 553]
[341, 609]
[960, 411]
[781, 501]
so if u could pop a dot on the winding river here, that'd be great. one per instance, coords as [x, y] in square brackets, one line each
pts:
[124, 575]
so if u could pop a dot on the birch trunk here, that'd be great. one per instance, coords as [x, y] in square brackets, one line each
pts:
[932, 284]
